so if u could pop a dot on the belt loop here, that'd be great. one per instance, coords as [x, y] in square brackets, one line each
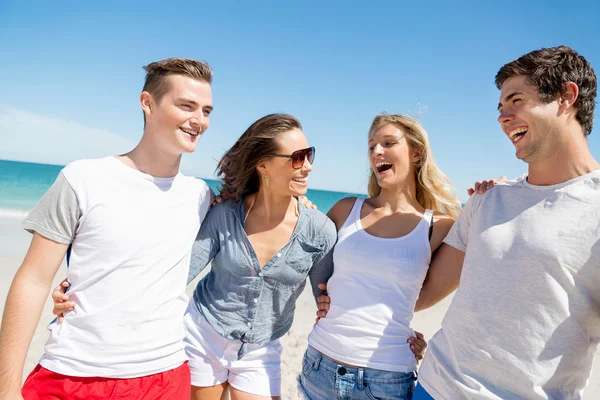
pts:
[359, 379]
[317, 362]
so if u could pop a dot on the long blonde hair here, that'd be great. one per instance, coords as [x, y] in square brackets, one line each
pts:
[434, 189]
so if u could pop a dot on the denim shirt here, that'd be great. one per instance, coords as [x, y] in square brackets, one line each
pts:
[243, 301]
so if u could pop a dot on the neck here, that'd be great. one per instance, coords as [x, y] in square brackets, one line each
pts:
[271, 206]
[574, 159]
[148, 158]
[400, 199]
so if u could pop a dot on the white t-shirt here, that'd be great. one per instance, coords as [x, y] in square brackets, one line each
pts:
[373, 290]
[525, 320]
[131, 237]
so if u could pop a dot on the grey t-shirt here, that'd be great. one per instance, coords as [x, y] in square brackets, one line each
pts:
[525, 320]
[56, 216]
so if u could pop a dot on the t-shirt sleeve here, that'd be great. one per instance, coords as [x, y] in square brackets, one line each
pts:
[205, 201]
[458, 237]
[56, 216]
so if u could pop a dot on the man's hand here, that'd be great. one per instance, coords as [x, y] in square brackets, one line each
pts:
[323, 302]
[480, 187]
[307, 203]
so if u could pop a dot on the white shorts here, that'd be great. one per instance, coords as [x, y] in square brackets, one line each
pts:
[213, 359]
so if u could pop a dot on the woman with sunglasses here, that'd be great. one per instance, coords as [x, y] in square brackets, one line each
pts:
[262, 246]
[362, 348]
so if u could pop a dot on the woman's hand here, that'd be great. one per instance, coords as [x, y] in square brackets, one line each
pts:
[418, 345]
[62, 305]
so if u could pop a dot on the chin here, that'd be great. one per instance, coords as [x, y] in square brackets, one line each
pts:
[187, 148]
[297, 193]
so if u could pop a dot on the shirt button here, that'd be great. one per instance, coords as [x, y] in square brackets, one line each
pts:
[260, 274]
[278, 255]
[256, 300]
[249, 324]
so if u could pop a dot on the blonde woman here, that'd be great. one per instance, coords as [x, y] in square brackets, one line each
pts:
[362, 349]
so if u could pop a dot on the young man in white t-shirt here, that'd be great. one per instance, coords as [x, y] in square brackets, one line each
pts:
[130, 222]
[525, 321]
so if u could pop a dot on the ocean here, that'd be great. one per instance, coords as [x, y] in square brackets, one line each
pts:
[22, 184]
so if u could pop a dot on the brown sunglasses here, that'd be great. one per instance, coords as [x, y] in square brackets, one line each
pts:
[299, 156]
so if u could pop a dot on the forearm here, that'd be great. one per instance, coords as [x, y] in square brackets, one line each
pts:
[320, 273]
[429, 297]
[442, 278]
[22, 312]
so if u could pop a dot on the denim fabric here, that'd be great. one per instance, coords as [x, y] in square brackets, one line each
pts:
[325, 379]
[243, 301]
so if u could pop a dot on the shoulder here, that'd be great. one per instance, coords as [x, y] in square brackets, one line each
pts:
[225, 207]
[495, 195]
[441, 225]
[340, 211]
[82, 170]
[200, 186]
[321, 227]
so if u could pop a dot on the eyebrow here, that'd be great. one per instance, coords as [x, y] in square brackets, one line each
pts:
[193, 102]
[507, 98]
[389, 135]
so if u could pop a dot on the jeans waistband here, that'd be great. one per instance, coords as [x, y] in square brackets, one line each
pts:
[361, 374]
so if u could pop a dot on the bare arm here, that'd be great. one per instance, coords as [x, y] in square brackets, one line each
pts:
[442, 278]
[23, 308]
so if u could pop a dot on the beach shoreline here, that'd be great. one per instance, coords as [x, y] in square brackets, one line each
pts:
[14, 242]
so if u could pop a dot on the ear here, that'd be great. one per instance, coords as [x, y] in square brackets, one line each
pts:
[146, 102]
[417, 156]
[262, 166]
[568, 96]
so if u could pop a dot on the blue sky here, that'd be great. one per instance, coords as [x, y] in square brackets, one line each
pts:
[72, 73]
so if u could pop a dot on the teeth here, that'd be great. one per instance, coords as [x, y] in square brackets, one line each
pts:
[516, 131]
[302, 180]
[381, 163]
[193, 133]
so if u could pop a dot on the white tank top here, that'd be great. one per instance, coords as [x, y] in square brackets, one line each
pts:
[373, 290]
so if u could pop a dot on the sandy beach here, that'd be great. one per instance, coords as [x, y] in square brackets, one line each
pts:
[13, 246]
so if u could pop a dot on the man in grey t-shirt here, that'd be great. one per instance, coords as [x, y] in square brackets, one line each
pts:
[525, 321]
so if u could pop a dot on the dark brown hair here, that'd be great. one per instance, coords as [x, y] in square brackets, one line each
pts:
[237, 168]
[548, 70]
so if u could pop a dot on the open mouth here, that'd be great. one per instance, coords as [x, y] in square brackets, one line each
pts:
[517, 134]
[383, 166]
[193, 134]
[300, 181]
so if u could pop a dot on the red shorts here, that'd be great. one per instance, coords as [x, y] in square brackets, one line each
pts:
[42, 384]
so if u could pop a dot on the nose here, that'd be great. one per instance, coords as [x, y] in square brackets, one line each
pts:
[505, 116]
[199, 121]
[377, 149]
[306, 165]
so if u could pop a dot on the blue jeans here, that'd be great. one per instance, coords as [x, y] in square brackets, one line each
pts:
[325, 379]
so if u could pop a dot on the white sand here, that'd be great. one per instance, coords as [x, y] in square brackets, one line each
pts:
[13, 246]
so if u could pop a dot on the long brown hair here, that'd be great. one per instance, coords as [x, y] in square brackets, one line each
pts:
[237, 168]
[434, 189]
